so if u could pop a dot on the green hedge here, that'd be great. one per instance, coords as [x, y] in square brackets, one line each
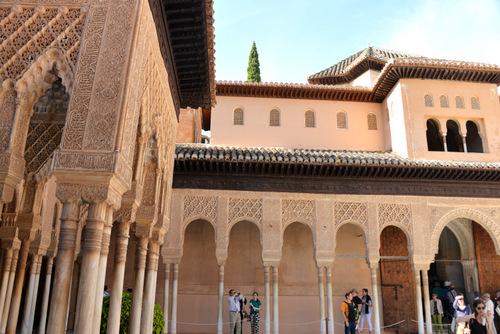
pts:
[158, 319]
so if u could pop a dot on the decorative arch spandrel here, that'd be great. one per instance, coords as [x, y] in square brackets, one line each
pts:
[486, 217]
[396, 214]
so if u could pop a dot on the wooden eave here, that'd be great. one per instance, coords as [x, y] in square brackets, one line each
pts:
[354, 72]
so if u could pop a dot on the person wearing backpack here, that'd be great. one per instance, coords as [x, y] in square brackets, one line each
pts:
[350, 312]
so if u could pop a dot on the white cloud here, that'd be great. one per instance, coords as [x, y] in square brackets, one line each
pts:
[450, 29]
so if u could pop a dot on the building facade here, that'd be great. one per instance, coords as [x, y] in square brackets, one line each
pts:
[381, 173]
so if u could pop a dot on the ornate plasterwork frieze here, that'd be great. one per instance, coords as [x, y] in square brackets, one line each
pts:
[301, 210]
[245, 208]
[200, 206]
[350, 211]
[394, 213]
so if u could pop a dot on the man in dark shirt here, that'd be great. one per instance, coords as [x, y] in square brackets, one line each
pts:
[349, 311]
[359, 303]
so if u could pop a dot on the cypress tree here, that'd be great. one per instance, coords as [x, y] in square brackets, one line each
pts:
[253, 69]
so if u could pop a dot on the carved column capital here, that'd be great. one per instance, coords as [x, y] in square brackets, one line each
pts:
[91, 193]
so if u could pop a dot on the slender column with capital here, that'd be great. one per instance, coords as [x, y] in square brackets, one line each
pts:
[89, 270]
[7, 263]
[420, 311]
[30, 301]
[166, 296]
[138, 290]
[220, 301]
[115, 303]
[445, 145]
[267, 302]
[45, 297]
[321, 291]
[101, 276]
[173, 324]
[18, 288]
[329, 301]
[276, 323]
[150, 287]
[64, 268]
[427, 302]
[375, 308]
[10, 287]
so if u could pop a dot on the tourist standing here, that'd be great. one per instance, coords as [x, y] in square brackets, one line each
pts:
[461, 310]
[357, 301]
[490, 307]
[450, 296]
[366, 311]
[234, 312]
[437, 314]
[497, 313]
[479, 322]
[350, 312]
[255, 313]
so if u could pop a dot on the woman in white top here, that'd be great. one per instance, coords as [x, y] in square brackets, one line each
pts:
[366, 311]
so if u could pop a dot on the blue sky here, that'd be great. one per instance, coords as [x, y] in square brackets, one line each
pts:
[297, 38]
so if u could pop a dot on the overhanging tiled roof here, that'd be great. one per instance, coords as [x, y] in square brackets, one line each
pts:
[200, 158]
[351, 67]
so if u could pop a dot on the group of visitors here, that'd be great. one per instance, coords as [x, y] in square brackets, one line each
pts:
[356, 310]
[482, 318]
[237, 313]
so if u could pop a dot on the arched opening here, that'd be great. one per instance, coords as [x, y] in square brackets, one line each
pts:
[443, 99]
[372, 121]
[473, 140]
[244, 270]
[397, 280]
[298, 280]
[453, 137]
[459, 102]
[238, 116]
[488, 261]
[274, 117]
[310, 119]
[350, 257]
[474, 103]
[428, 100]
[341, 120]
[434, 139]
[198, 279]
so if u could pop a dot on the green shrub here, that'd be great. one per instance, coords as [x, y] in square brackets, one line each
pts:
[158, 319]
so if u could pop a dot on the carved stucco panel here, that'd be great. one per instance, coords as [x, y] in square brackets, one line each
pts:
[298, 210]
[394, 213]
[350, 211]
[250, 208]
[204, 207]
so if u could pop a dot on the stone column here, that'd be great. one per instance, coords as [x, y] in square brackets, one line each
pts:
[148, 304]
[31, 295]
[220, 303]
[464, 141]
[329, 300]
[427, 302]
[420, 311]
[101, 276]
[267, 302]
[375, 302]
[321, 291]
[445, 145]
[7, 263]
[18, 287]
[45, 297]
[276, 324]
[64, 268]
[115, 303]
[89, 270]
[166, 296]
[137, 292]
[173, 324]
[10, 287]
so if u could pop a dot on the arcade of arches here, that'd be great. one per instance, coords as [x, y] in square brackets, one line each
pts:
[302, 253]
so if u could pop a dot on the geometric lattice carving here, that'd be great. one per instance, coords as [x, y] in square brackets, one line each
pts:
[310, 119]
[443, 100]
[350, 211]
[201, 206]
[428, 100]
[274, 117]
[459, 102]
[394, 212]
[238, 116]
[372, 121]
[30, 32]
[46, 125]
[292, 209]
[245, 207]
[341, 120]
[474, 103]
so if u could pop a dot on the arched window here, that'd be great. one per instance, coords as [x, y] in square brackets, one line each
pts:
[459, 102]
[434, 139]
[453, 138]
[474, 103]
[443, 100]
[428, 100]
[473, 140]
[372, 121]
[274, 117]
[310, 119]
[341, 120]
[238, 116]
